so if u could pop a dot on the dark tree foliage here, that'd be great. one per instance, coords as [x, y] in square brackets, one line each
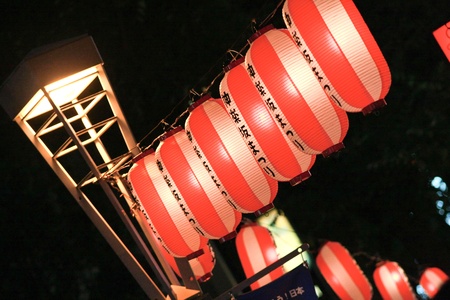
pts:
[374, 196]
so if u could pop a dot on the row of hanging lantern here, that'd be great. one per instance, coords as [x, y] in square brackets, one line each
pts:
[347, 280]
[257, 249]
[275, 115]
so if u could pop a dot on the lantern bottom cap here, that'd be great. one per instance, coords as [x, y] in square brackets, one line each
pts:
[205, 277]
[195, 254]
[228, 237]
[300, 178]
[373, 107]
[333, 149]
[264, 209]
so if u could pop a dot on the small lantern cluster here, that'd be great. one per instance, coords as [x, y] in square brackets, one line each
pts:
[347, 280]
[282, 103]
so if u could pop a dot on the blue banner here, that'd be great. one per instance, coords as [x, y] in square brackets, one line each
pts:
[296, 285]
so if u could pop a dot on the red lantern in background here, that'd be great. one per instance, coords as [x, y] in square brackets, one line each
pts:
[271, 148]
[224, 154]
[432, 280]
[256, 250]
[442, 36]
[392, 282]
[192, 188]
[292, 93]
[342, 272]
[163, 214]
[341, 51]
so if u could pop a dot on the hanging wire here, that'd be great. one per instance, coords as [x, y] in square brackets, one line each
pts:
[234, 55]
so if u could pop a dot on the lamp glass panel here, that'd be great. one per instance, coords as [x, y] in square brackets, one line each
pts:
[62, 92]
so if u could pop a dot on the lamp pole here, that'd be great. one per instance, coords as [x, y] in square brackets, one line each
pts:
[46, 96]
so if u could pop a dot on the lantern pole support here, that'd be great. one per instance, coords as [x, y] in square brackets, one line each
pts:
[121, 250]
[247, 282]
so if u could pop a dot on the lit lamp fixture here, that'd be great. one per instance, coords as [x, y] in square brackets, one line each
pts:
[61, 98]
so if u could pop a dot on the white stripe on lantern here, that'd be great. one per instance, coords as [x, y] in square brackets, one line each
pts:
[234, 147]
[181, 201]
[178, 218]
[256, 257]
[433, 277]
[238, 90]
[325, 82]
[348, 39]
[266, 162]
[289, 129]
[213, 174]
[389, 281]
[340, 272]
[305, 82]
[432, 280]
[220, 206]
[145, 170]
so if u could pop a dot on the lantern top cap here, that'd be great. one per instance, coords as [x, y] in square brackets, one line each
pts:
[199, 102]
[143, 154]
[260, 32]
[45, 65]
[233, 64]
[170, 133]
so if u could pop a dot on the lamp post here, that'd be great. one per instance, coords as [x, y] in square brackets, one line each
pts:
[61, 98]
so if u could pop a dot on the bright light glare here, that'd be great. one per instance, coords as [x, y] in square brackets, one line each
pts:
[439, 204]
[436, 182]
[62, 91]
[447, 219]
[421, 292]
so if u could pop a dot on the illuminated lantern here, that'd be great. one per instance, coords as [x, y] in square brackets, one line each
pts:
[256, 250]
[392, 282]
[292, 93]
[442, 36]
[342, 272]
[162, 212]
[341, 51]
[237, 175]
[192, 188]
[432, 280]
[285, 237]
[275, 153]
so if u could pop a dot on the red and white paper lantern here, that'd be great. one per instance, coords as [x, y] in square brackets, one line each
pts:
[271, 148]
[392, 282]
[341, 51]
[342, 272]
[432, 280]
[256, 250]
[158, 207]
[193, 189]
[292, 93]
[225, 156]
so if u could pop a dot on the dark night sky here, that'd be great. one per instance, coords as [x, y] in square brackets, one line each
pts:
[373, 197]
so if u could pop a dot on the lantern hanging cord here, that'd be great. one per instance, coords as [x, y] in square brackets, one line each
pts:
[373, 259]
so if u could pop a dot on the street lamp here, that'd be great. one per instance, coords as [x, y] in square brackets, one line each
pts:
[61, 98]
